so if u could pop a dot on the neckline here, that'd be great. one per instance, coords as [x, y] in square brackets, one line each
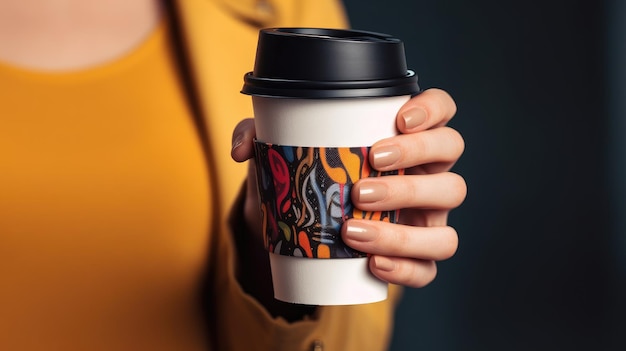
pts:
[96, 70]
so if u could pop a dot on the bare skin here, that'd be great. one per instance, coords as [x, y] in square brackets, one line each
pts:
[66, 35]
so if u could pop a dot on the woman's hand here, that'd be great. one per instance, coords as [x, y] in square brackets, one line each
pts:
[405, 253]
[243, 150]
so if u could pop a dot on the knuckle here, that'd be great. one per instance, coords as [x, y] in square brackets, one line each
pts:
[455, 139]
[450, 243]
[452, 108]
[457, 188]
[419, 144]
[447, 103]
[445, 107]
[400, 239]
[420, 275]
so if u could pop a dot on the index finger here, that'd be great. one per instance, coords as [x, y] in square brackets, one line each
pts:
[431, 108]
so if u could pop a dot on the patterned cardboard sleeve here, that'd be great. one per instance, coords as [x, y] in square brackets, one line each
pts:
[305, 197]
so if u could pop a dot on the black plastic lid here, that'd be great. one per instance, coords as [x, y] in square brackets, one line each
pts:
[329, 63]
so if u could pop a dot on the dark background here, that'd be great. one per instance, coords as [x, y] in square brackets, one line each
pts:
[540, 88]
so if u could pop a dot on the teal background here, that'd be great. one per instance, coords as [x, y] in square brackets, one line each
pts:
[541, 93]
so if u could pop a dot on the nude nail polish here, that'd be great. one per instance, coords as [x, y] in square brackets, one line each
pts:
[361, 232]
[414, 117]
[386, 156]
[372, 192]
[384, 264]
[237, 141]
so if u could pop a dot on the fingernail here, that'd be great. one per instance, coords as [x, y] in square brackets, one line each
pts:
[360, 232]
[237, 141]
[385, 156]
[414, 117]
[372, 192]
[384, 264]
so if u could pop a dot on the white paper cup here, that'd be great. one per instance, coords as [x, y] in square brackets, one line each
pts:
[325, 123]
[321, 98]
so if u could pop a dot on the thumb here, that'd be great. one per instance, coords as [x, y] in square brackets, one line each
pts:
[243, 135]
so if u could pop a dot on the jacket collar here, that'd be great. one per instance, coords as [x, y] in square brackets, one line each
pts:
[257, 12]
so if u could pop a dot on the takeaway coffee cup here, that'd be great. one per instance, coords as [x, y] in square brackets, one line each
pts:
[321, 98]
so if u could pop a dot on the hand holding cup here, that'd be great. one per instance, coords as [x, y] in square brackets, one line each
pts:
[322, 98]
[405, 253]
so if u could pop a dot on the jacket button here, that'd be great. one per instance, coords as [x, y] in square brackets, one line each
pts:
[317, 345]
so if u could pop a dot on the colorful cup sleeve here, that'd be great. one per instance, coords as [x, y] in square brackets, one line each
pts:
[305, 197]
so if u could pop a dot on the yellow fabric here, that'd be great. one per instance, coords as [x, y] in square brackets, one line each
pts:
[109, 214]
[232, 26]
[104, 207]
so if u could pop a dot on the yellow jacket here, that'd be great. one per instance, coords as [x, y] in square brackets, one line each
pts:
[104, 199]
[232, 26]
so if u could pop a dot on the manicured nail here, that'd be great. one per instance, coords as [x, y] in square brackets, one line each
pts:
[361, 232]
[384, 264]
[372, 192]
[237, 141]
[386, 156]
[414, 117]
